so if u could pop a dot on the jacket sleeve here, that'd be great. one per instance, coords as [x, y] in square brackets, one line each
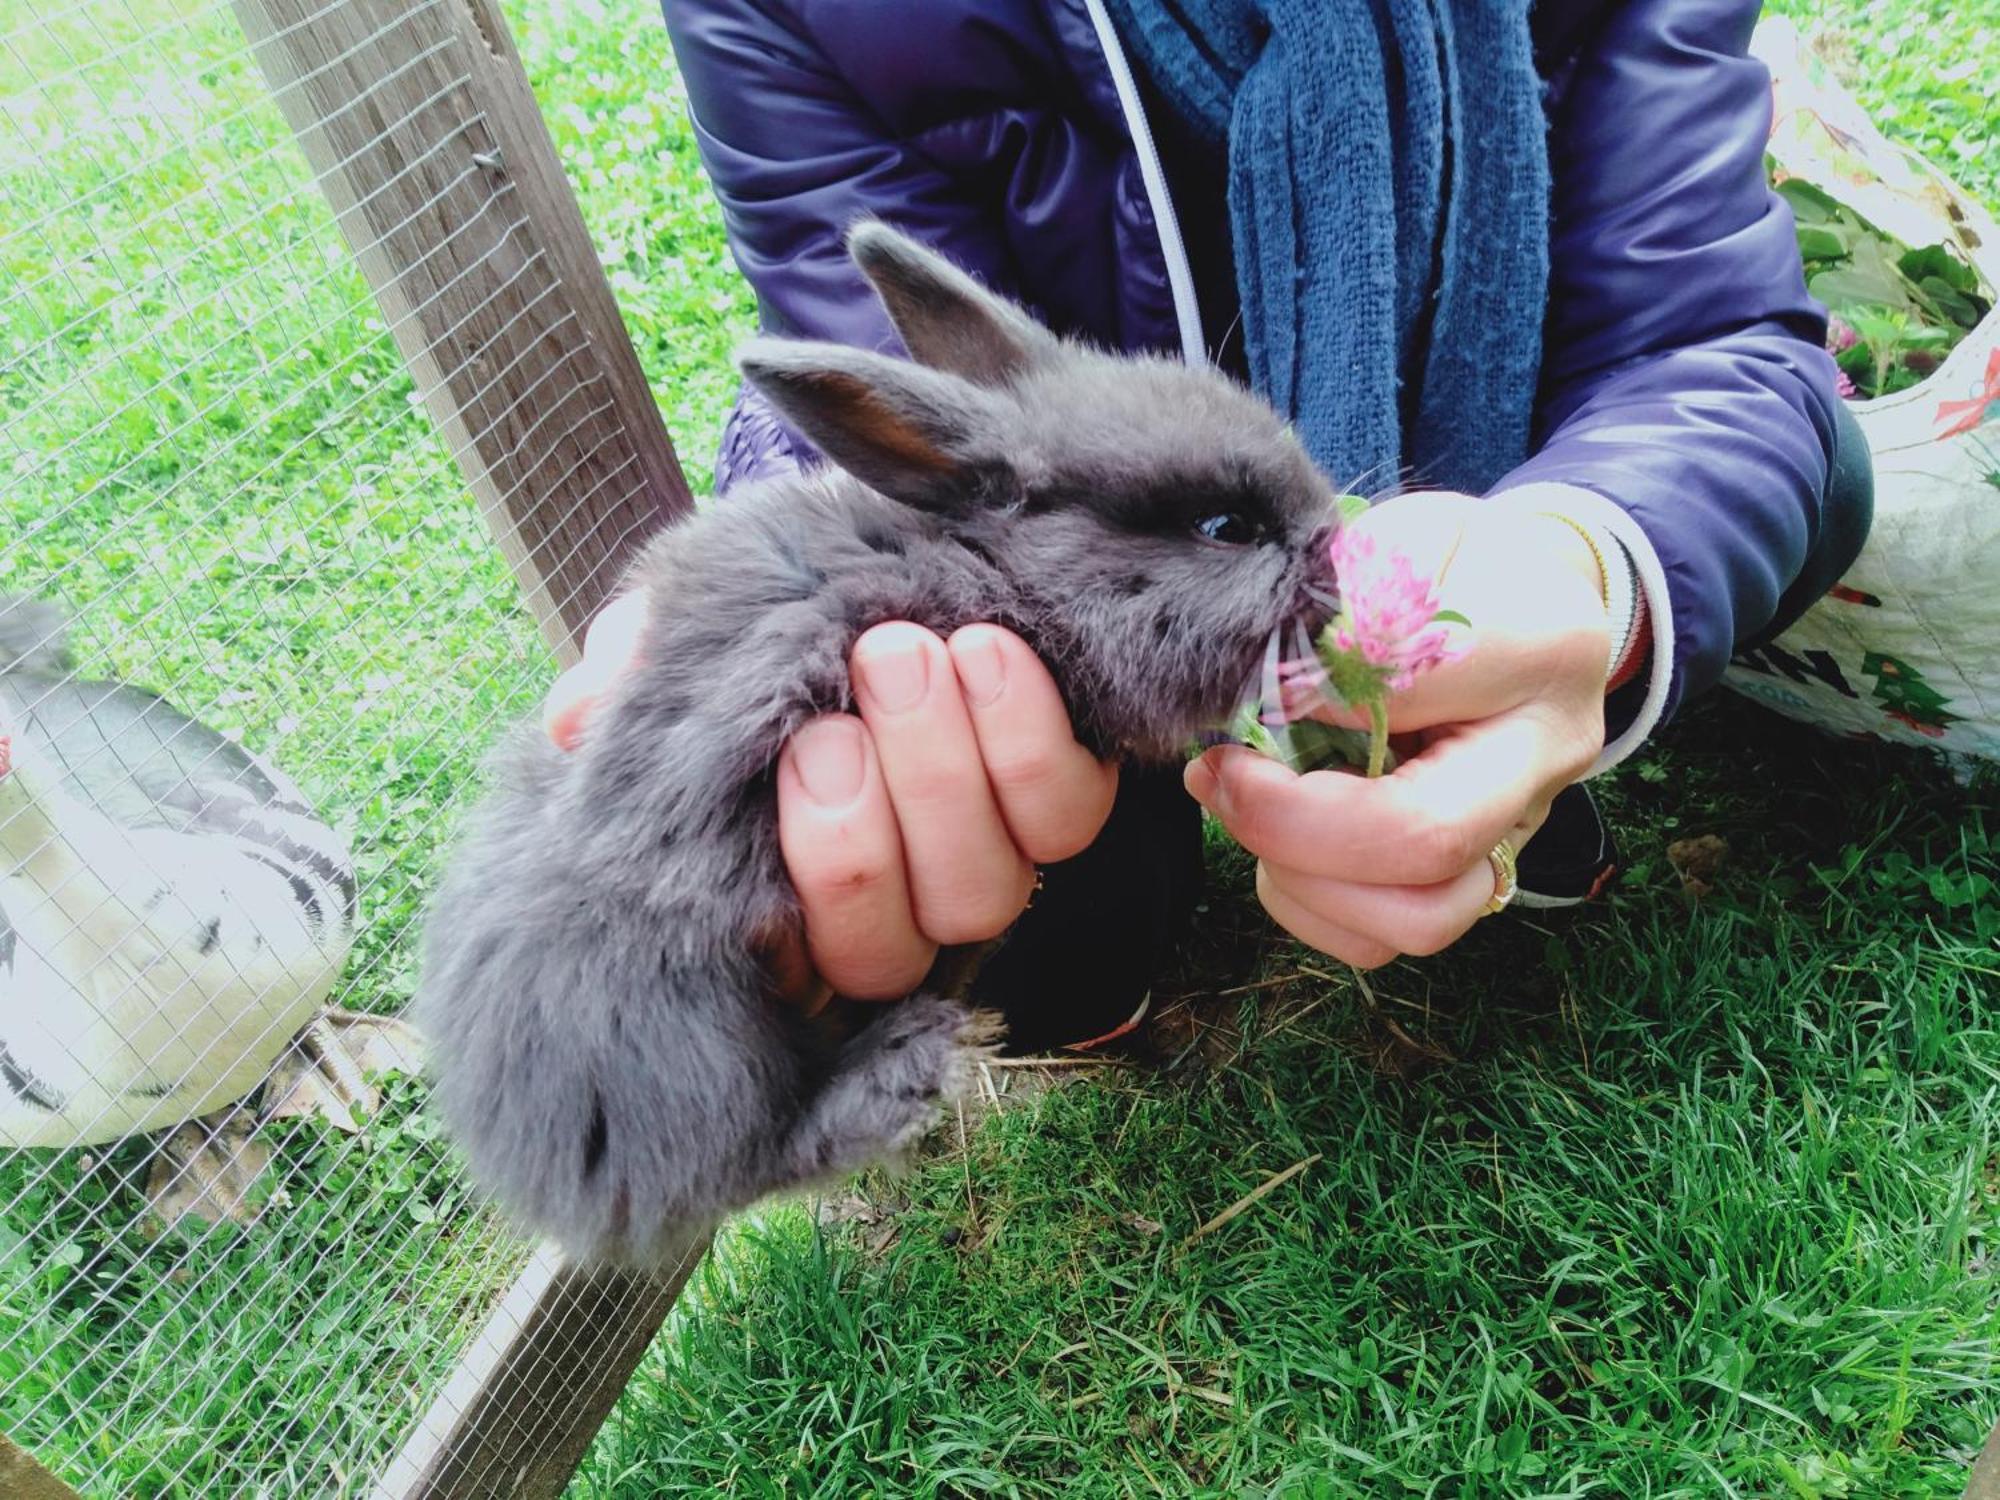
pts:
[795, 157]
[1687, 404]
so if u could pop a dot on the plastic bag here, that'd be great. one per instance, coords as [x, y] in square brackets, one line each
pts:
[1907, 646]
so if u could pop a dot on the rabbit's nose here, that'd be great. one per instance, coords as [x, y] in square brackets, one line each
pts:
[1317, 562]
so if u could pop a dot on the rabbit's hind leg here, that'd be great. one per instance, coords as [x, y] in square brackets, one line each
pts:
[888, 1087]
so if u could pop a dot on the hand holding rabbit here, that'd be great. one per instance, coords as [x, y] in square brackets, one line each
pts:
[598, 981]
[914, 824]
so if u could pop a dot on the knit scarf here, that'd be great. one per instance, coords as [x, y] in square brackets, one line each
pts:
[1388, 193]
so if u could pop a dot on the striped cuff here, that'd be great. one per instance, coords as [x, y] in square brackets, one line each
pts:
[1625, 603]
[1618, 586]
[1643, 649]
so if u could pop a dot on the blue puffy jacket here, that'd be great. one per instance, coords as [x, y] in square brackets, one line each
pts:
[1686, 403]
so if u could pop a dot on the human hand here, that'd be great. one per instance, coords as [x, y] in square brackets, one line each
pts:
[1367, 870]
[917, 822]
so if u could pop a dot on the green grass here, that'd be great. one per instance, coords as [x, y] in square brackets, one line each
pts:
[282, 1358]
[1925, 69]
[1665, 1201]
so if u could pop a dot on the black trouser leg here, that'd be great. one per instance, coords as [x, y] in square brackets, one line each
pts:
[1845, 516]
[1084, 954]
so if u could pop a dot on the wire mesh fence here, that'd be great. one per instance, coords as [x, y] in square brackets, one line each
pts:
[235, 1255]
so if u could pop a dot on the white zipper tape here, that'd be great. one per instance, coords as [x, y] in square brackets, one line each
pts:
[1180, 276]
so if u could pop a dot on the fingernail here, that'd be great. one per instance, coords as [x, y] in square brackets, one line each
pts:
[982, 670]
[894, 671]
[830, 761]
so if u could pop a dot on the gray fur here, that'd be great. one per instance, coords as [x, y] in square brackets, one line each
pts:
[945, 319]
[606, 1046]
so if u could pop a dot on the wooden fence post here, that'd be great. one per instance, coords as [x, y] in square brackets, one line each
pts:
[21, 1478]
[1983, 1483]
[420, 126]
[519, 1412]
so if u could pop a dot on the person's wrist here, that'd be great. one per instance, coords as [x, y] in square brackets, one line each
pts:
[1563, 565]
[1533, 527]
[1548, 507]
[1568, 544]
[1591, 563]
[1619, 593]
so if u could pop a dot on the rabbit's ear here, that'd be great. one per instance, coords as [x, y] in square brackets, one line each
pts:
[947, 320]
[920, 436]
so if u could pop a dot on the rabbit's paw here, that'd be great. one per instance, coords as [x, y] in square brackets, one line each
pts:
[889, 1086]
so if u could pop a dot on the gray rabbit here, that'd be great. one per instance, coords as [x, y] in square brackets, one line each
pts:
[606, 1042]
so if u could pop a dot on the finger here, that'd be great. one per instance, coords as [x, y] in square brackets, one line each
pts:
[609, 647]
[1424, 823]
[613, 633]
[1417, 920]
[1316, 931]
[567, 709]
[1053, 794]
[967, 880]
[1494, 674]
[837, 832]
[1497, 673]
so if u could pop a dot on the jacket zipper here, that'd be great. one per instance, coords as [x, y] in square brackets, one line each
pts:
[1180, 276]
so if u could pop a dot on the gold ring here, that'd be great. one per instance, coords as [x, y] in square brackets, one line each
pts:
[1506, 881]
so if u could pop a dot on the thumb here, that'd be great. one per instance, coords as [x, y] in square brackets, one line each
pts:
[610, 646]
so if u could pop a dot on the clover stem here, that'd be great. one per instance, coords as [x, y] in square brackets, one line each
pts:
[1378, 735]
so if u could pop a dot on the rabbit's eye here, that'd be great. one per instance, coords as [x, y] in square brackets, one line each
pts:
[1228, 527]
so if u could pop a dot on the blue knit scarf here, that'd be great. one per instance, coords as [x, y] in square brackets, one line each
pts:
[1388, 201]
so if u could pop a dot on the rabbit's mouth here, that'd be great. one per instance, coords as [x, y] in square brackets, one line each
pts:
[1312, 611]
[1316, 595]
[1290, 650]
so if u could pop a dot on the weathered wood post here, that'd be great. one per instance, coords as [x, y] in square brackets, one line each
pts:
[21, 1478]
[418, 122]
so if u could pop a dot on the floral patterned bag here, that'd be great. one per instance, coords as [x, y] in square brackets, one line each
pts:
[1907, 646]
